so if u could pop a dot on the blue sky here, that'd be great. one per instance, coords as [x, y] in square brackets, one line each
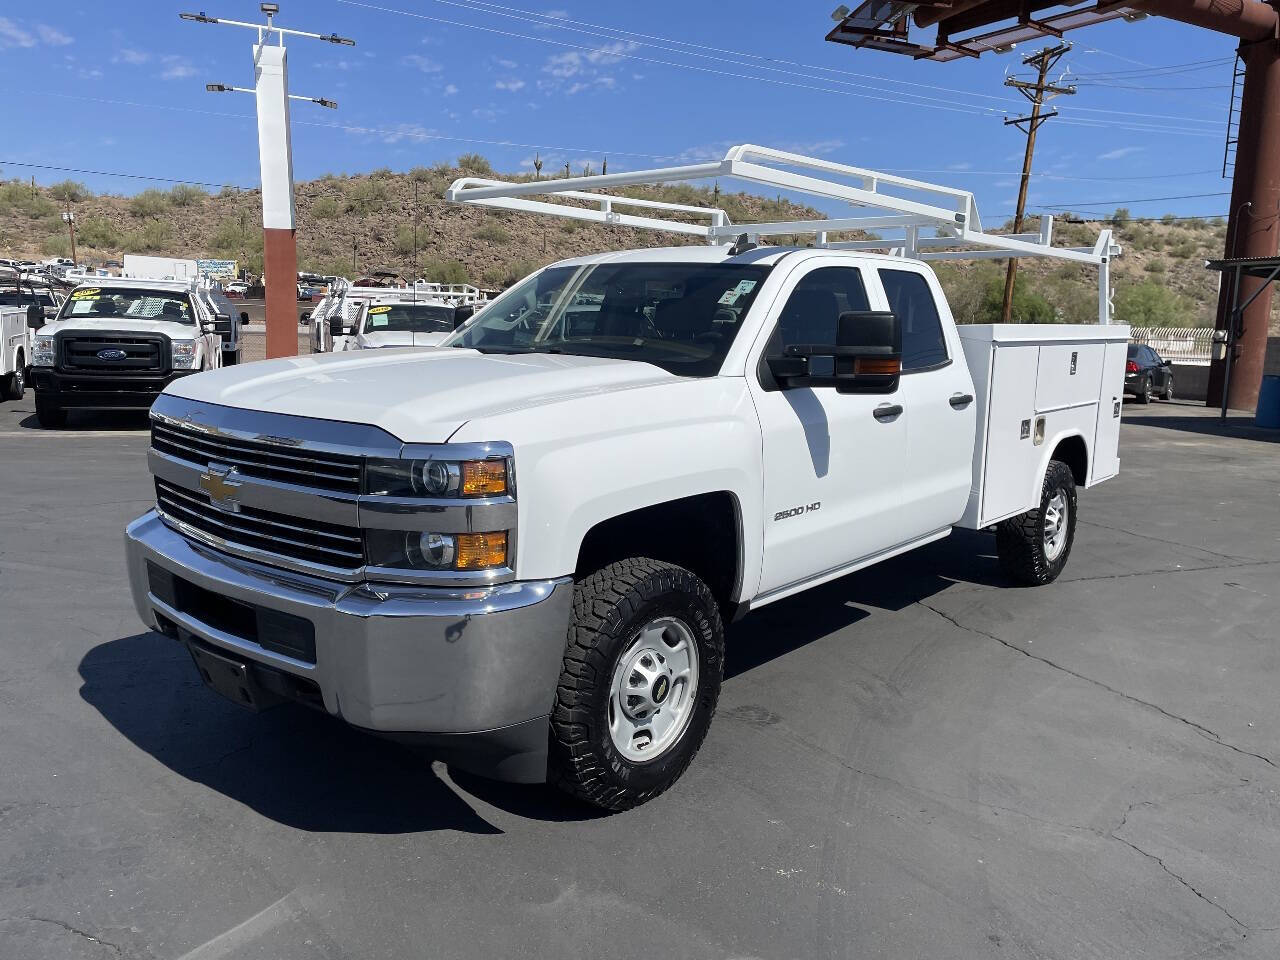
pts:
[120, 87]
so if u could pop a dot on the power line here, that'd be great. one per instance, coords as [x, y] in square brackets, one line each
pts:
[897, 98]
[127, 176]
[1107, 203]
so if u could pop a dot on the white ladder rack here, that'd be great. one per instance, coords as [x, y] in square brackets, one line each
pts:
[936, 222]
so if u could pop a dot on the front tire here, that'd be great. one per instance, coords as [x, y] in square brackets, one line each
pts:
[1033, 547]
[49, 416]
[641, 677]
[15, 385]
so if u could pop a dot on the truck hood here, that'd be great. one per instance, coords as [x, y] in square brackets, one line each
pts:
[419, 396]
[399, 338]
[175, 331]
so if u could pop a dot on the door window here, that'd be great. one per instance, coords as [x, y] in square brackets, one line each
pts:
[910, 298]
[813, 310]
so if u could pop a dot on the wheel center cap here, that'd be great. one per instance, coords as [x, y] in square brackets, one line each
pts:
[661, 687]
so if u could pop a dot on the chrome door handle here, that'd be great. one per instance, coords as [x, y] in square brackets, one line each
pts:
[960, 400]
[887, 411]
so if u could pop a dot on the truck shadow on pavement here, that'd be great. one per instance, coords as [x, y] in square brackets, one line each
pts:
[967, 556]
[106, 421]
[309, 771]
[1240, 428]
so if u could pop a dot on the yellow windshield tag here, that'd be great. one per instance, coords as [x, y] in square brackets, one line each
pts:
[90, 293]
[383, 309]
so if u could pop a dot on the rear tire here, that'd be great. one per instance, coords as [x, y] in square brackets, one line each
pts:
[635, 622]
[50, 417]
[1144, 394]
[1033, 547]
[1167, 394]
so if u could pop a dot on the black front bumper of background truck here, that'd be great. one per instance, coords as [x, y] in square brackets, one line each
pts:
[101, 391]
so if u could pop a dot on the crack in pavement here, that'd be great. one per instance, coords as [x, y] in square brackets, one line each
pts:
[1161, 573]
[1198, 727]
[119, 951]
[1172, 543]
[1165, 867]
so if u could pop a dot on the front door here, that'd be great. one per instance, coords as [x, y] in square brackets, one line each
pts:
[833, 462]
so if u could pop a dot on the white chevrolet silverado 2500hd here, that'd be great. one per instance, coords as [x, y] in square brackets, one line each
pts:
[116, 343]
[521, 548]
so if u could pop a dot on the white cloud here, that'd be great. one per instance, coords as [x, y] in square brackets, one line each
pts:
[960, 166]
[52, 35]
[450, 89]
[176, 68]
[425, 64]
[12, 35]
[507, 64]
[131, 57]
[511, 86]
[486, 113]
[1119, 153]
[576, 71]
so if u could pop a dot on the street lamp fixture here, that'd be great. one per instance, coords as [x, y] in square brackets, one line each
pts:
[216, 87]
[344, 41]
[198, 17]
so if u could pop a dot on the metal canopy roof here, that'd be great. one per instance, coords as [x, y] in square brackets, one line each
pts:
[1261, 267]
[886, 25]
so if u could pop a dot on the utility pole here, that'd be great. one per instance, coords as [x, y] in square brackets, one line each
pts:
[415, 233]
[70, 217]
[275, 158]
[1038, 93]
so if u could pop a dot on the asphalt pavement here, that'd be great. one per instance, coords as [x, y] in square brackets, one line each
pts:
[915, 761]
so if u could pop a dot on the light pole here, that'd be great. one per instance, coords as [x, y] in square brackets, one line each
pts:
[275, 158]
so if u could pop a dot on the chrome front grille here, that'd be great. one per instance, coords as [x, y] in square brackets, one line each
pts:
[263, 532]
[253, 458]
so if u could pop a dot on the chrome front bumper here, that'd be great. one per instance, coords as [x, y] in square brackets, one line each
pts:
[389, 658]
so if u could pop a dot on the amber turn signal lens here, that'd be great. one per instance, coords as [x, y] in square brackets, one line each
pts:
[484, 478]
[480, 551]
[884, 366]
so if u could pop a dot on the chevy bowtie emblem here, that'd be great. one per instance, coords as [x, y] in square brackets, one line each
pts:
[220, 482]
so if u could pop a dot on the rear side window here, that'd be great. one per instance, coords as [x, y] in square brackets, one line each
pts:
[910, 298]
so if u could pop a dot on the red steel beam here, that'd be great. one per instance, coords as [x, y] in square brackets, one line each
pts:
[1246, 19]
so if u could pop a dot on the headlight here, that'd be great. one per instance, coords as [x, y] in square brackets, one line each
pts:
[437, 478]
[184, 354]
[43, 352]
[416, 550]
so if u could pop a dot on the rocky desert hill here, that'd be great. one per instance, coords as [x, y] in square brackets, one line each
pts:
[349, 224]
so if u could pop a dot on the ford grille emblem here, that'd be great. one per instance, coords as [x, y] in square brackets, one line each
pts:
[111, 353]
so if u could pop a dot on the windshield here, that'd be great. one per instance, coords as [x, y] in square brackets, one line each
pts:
[408, 318]
[96, 303]
[678, 316]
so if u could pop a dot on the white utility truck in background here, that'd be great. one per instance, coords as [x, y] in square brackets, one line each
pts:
[360, 318]
[159, 268]
[117, 342]
[15, 351]
[521, 549]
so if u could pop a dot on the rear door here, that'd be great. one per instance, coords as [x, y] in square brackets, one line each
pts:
[937, 392]
[833, 463]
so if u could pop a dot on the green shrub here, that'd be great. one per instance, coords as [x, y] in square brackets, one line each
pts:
[152, 237]
[504, 275]
[492, 233]
[365, 197]
[70, 190]
[149, 203]
[186, 195]
[404, 240]
[382, 173]
[1154, 266]
[445, 271]
[475, 164]
[1120, 217]
[96, 232]
[56, 245]
[421, 174]
[325, 208]
[1152, 304]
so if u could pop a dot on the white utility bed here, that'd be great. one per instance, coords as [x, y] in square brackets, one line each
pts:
[1036, 385]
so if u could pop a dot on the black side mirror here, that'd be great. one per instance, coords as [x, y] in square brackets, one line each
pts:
[867, 356]
[35, 316]
[462, 314]
[1166, 363]
[335, 326]
[244, 317]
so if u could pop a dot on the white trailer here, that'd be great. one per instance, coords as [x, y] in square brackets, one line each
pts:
[159, 268]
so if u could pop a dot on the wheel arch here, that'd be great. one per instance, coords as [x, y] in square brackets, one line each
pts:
[702, 532]
[1072, 449]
